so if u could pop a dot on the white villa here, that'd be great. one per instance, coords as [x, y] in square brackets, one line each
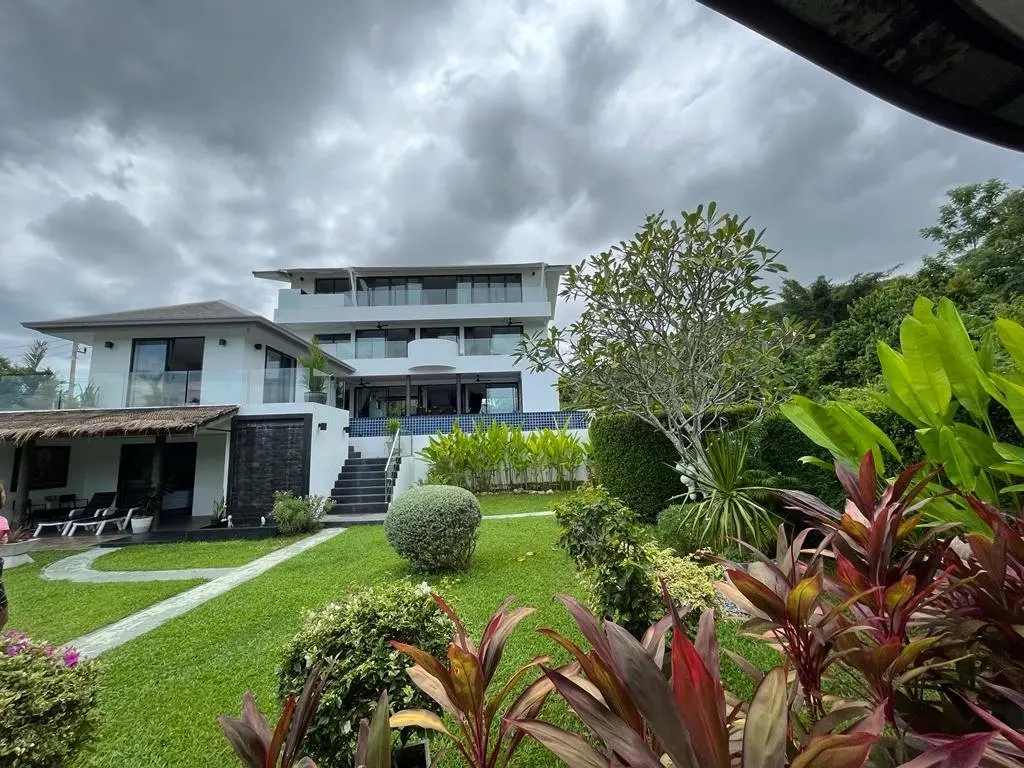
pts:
[210, 402]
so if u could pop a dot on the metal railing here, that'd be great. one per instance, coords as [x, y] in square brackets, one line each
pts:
[392, 466]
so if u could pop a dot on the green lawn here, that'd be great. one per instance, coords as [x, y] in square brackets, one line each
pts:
[196, 667]
[185, 674]
[59, 611]
[514, 503]
[205, 554]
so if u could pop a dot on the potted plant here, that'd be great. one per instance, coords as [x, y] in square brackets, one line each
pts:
[314, 373]
[19, 543]
[148, 508]
[394, 427]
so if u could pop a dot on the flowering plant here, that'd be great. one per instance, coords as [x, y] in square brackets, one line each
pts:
[47, 701]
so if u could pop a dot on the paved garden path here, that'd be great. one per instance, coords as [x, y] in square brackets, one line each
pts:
[223, 580]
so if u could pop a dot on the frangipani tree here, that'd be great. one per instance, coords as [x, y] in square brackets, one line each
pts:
[675, 325]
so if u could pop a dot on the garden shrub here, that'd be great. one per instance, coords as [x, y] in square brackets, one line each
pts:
[612, 551]
[691, 584]
[434, 527]
[635, 463]
[354, 634]
[294, 514]
[47, 702]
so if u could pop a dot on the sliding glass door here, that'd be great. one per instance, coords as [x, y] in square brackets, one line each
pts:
[166, 372]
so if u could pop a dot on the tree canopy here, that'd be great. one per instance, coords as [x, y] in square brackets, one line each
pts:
[979, 265]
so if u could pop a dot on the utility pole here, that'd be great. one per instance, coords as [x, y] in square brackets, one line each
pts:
[74, 365]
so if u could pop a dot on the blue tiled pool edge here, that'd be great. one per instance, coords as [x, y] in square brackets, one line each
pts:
[435, 425]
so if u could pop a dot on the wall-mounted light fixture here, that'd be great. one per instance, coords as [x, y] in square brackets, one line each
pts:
[222, 342]
[257, 346]
[108, 345]
[322, 426]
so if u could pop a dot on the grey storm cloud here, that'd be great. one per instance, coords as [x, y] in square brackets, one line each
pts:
[158, 152]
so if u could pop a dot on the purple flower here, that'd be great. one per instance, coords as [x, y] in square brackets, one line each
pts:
[71, 657]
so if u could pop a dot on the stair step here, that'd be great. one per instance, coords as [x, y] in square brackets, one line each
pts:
[341, 497]
[360, 508]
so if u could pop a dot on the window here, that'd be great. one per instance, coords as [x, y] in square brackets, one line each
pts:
[383, 342]
[49, 467]
[493, 339]
[332, 285]
[334, 338]
[279, 377]
[380, 401]
[448, 334]
[497, 397]
[389, 291]
[166, 371]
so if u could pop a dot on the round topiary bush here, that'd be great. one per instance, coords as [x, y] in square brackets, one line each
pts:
[434, 527]
[354, 634]
[47, 702]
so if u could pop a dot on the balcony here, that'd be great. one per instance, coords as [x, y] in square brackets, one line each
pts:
[411, 306]
[164, 389]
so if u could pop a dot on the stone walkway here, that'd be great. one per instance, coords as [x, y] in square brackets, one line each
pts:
[131, 627]
[79, 568]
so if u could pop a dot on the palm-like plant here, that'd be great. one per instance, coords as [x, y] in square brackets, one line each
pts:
[733, 495]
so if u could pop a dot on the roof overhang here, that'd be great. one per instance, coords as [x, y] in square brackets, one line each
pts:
[21, 426]
[285, 275]
[957, 63]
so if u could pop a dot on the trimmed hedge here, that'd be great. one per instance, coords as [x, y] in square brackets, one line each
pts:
[635, 462]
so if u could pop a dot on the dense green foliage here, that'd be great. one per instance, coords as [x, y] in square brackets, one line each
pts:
[636, 464]
[980, 233]
[47, 702]
[612, 551]
[434, 527]
[354, 634]
[294, 514]
[947, 392]
[498, 456]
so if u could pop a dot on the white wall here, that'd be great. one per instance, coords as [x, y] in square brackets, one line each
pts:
[211, 472]
[329, 448]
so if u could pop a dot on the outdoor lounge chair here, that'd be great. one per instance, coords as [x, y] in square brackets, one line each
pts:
[118, 517]
[98, 504]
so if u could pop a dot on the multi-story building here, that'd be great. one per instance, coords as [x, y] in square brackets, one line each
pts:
[427, 341]
[210, 401]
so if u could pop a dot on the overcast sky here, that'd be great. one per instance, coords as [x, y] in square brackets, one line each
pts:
[155, 153]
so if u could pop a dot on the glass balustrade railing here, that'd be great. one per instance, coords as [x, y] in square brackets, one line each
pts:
[163, 389]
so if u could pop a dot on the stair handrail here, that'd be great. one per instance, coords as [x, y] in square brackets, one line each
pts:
[389, 480]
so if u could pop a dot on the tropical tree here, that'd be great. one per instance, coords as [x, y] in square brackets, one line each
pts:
[675, 325]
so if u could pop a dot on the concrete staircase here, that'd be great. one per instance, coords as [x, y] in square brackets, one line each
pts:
[360, 494]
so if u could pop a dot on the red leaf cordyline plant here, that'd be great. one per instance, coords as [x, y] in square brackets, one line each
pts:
[645, 720]
[985, 607]
[784, 597]
[256, 746]
[460, 686]
[888, 569]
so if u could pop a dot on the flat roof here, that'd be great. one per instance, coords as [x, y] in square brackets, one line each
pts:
[285, 274]
[216, 312]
